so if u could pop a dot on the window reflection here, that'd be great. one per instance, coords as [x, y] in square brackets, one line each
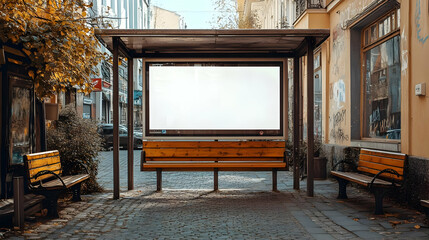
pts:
[20, 124]
[383, 91]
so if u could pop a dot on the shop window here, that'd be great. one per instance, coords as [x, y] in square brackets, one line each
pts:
[382, 79]
[317, 94]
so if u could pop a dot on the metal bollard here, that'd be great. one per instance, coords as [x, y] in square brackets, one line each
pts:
[18, 202]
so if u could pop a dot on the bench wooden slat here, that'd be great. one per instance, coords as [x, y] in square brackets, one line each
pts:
[68, 181]
[424, 203]
[216, 152]
[379, 167]
[400, 156]
[32, 156]
[213, 144]
[36, 163]
[385, 175]
[215, 165]
[212, 159]
[193, 169]
[382, 160]
[211, 165]
[360, 178]
[54, 168]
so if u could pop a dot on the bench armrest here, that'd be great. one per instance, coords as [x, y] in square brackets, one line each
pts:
[44, 172]
[83, 165]
[346, 162]
[388, 170]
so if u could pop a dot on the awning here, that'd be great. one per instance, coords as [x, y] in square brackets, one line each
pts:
[137, 43]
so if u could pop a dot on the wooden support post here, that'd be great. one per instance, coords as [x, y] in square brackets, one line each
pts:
[296, 97]
[18, 202]
[158, 179]
[130, 145]
[115, 118]
[310, 117]
[216, 179]
[275, 180]
[142, 159]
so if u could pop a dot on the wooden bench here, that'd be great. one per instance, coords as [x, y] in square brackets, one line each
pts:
[44, 174]
[32, 204]
[378, 170]
[425, 205]
[213, 156]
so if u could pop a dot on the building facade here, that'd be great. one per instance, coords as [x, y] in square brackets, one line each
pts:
[124, 14]
[372, 69]
[369, 78]
[164, 19]
[267, 14]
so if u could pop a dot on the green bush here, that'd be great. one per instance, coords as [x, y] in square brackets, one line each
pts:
[77, 140]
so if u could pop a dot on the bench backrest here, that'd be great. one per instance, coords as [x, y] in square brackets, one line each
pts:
[214, 150]
[37, 162]
[374, 161]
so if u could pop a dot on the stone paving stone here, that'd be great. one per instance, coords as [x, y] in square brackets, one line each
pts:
[244, 208]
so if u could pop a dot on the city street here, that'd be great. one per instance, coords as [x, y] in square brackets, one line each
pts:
[244, 208]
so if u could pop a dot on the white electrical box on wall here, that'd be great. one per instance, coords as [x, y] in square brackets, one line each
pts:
[420, 89]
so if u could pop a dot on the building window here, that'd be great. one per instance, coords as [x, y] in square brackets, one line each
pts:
[317, 95]
[382, 79]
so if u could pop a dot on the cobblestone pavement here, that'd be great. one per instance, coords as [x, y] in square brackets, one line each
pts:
[244, 208]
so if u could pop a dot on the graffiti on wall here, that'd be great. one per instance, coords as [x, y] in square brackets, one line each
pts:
[339, 117]
[338, 129]
[338, 135]
[417, 19]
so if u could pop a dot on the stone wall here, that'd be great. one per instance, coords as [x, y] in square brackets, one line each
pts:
[417, 180]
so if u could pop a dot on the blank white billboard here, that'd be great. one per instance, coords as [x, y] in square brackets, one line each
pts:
[214, 97]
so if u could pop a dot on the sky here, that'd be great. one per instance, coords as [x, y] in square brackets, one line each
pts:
[196, 13]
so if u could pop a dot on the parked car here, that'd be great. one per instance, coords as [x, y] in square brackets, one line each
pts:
[106, 132]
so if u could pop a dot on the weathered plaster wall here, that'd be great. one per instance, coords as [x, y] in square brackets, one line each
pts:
[302, 22]
[418, 69]
[339, 116]
[318, 20]
[325, 83]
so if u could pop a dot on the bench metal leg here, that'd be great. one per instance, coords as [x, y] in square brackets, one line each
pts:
[216, 179]
[76, 192]
[275, 180]
[158, 179]
[426, 210]
[342, 188]
[52, 203]
[379, 195]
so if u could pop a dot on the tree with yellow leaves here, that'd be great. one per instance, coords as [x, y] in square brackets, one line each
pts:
[58, 37]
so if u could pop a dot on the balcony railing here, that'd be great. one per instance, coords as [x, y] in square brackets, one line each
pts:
[303, 5]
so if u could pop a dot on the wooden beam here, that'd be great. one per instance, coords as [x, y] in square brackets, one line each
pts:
[130, 127]
[310, 117]
[124, 50]
[296, 97]
[202, 54]
[116, 118]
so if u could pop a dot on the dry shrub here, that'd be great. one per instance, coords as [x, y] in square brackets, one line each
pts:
[77, 140]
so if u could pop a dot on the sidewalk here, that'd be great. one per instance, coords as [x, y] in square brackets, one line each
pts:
[244, 208]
